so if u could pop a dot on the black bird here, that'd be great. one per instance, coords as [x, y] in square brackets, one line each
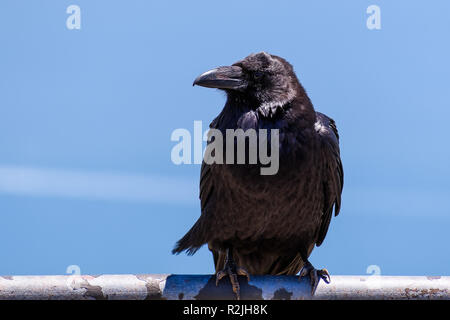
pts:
[268, 224]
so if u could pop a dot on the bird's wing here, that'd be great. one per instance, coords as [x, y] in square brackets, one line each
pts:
[334, 174]
[206, 186]
[200, 231]
[197, 235]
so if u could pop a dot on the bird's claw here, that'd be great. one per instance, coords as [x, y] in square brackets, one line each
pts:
[315, 276]
[233, 272]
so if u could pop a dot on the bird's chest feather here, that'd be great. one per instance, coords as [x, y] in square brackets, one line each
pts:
[265, 206]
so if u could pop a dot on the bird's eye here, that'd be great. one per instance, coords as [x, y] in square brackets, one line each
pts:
[258, 74]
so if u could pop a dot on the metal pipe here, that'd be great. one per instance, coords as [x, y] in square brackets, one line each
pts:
[202, 287]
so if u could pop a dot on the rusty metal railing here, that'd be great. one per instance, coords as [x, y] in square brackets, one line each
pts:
[164, 286]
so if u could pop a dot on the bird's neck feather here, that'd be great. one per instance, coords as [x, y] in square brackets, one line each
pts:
[240, 113]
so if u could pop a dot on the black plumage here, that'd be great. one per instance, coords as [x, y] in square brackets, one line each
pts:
[268, 224]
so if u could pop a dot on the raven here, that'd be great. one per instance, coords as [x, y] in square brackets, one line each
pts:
[268, 224]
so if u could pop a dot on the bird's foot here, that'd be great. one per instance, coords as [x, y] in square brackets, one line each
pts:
[315, 275]
[232, 271]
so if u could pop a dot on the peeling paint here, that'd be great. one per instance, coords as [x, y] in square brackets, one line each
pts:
[415, 293]
[282, 294]
[154, 291]
[93, 291]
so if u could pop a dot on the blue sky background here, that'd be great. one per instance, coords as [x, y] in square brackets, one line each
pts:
[86, 118]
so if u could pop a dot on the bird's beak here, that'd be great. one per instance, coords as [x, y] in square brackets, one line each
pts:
[230, 77]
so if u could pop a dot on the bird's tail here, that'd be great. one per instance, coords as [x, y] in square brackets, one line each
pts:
[193, 240]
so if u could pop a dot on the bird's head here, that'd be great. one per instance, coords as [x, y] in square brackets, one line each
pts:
[265, 81]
